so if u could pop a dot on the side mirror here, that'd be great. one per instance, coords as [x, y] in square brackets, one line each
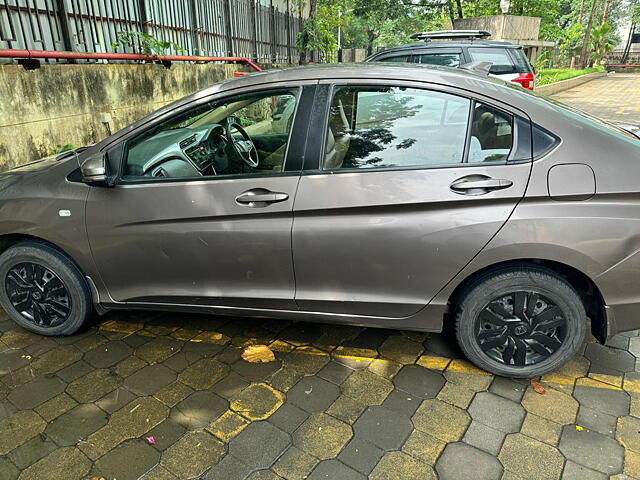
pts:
[95, 171]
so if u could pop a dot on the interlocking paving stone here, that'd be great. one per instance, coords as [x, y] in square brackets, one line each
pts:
[508, 388]
[158, 350]
[257, 402]
[605, 360]
[553, 405]
[255, 372]
[74, 371]
[592, 450]
[8, 470]
[159, 473]
[443, 346]
[596, 420]
[199, 409]
[127, 461]
[284, 379]
[456, 395]
[75, 425]
[36, 392]
[335, 435]
[313, 394]
[541, 429]
[260, 444]
[360, 455]
[32, 451]
[400, 466]
[628, 433]
[484, 437]
[18, 338]
[294, 464]
[632, 463]
[634, 346]
[385, 368]
[306, 360]
[573, 471]
[203, 374]
[54, 408]
[387, 429]
[12, 360]
[401, 349]
[424, 447]
[530, 458]
[419, 381]
[568, 373]
[264, 475]
[329, 469]
[460, 460]
[18, 428]
[166, 434]
[55, 360]
[367, 387]
[150, 379]
[402, 402]
[115, 400]
[129, 366]
[108, 354]
[335, 372]
[93, 385]
[201, 450]
[347, 408]
[468, 376]
[441, 420]
[497, 412]
[228, 425]
[230, 385]
[606, 400]
[63, 464]
[288, 417]
[229, 468]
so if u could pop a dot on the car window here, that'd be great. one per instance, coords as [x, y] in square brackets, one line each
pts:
[245, 134]
[499, 57]
[399, 58]
[491, 135]
[442, 59]
[382, 127]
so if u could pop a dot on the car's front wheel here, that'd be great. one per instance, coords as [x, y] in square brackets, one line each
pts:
[42, 290]
[520, 322]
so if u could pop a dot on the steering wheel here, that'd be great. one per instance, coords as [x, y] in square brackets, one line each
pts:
[244, 148]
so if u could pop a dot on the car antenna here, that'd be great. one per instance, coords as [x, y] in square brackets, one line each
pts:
[479, 68]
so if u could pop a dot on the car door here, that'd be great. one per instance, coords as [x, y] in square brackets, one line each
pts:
[190, 221]
[407, 186]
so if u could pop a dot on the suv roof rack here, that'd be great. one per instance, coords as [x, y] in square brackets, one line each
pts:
[450, 34]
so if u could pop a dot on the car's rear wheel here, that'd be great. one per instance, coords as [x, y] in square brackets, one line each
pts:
[42, 290]
[520, 322]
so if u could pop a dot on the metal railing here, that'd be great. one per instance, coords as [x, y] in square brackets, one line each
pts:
[256, 29]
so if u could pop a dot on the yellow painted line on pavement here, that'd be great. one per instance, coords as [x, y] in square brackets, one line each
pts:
[433, 362]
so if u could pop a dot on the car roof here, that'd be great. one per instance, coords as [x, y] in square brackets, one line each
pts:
[448, 44]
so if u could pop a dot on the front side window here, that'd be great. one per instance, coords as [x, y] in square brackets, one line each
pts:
[491, 134]
[383, 127]
[245, 134]
[441, 59]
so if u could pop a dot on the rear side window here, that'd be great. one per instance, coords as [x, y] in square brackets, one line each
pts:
[522, 64]
[384, 127]
[400, 58]
[499, 57]
[442, 59]
[491, 134]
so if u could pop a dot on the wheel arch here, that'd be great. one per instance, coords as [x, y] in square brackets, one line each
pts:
[586, 288]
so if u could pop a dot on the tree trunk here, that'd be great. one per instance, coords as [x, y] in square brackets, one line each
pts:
[450, 8]
[459, 7]
[581, 15]
[584, 57]
[371, 36]
[605, 11]
[305, 35]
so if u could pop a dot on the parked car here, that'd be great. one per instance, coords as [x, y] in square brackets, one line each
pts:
[393, 196]
[453, 48]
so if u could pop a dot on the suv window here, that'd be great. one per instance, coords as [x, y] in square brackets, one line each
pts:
[378, 127]
[206, 141]
[491, 135]
[499, 57]
[442, 59]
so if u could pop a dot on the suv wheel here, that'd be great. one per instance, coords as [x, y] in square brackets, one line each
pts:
[42, 290]
[520, 322]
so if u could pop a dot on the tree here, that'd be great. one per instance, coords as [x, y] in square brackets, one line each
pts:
[376, 15]
[587, 35]
[603, 41]
[303, 39]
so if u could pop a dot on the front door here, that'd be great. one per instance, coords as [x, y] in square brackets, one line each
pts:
[409, 185]
[202, 213]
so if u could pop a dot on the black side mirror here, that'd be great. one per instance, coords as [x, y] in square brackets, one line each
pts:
[95, 171]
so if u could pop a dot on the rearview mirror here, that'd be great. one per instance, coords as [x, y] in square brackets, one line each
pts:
[95, 171]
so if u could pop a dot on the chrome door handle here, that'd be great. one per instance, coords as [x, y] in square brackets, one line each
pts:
[260, 197]
[467, 186]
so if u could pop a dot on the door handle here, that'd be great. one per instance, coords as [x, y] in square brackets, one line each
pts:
[260, 197]
[473, 185]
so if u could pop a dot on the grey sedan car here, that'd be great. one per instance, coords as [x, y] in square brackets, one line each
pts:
[385, 195]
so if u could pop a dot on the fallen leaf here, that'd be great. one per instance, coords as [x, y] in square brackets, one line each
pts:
[538, 387]
[151, 440]
[258, 353]
[579, 428]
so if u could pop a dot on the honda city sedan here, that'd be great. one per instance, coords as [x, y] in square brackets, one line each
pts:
[386, 195]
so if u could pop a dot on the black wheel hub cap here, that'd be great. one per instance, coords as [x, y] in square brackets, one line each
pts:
[520, 328]
[38, 294]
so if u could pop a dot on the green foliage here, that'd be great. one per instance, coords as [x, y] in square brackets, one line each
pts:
[544, 77]
[603, 41]
[542, 61]
[318, 33]
[147, 44]
[60, 148]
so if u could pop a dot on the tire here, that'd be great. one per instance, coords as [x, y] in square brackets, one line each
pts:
[510, 311]
[43, 290]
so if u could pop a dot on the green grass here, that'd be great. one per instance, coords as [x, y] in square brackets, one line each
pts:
[552, 75]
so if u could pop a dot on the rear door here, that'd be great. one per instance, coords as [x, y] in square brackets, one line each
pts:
[404, 188]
